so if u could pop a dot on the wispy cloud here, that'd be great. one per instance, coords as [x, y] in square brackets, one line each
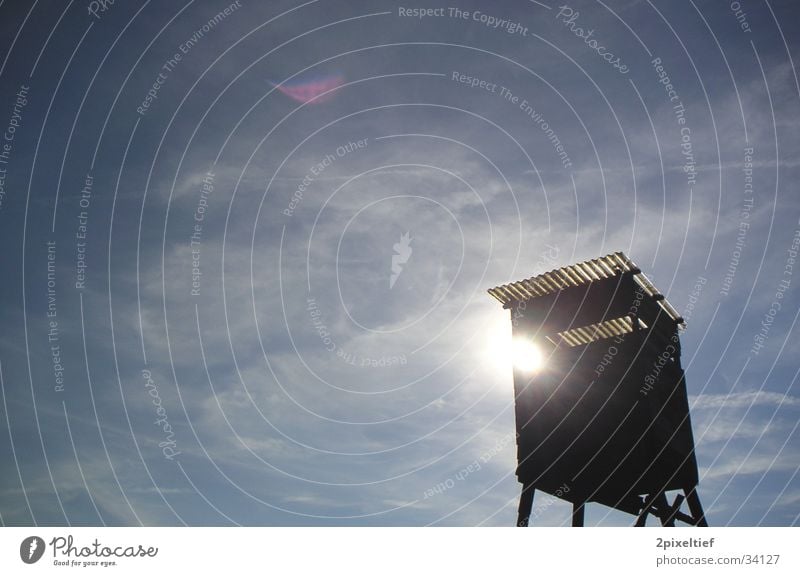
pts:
[743, 400]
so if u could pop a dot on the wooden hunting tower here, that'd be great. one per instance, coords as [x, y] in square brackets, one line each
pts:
[606, 419]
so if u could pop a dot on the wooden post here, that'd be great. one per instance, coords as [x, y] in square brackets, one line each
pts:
[664, 510]
[693, 500]
[577, 513]
[525, 505]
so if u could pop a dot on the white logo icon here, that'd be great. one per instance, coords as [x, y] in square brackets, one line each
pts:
[402, 254]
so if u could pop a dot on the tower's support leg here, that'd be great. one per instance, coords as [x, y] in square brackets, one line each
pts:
[674, 511]
[693, 500]
[664, 510]
[577, 513]
[647, 508]
[525, 505]
[657, 505]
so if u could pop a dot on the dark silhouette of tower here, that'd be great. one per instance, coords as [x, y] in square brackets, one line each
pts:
[606, 418]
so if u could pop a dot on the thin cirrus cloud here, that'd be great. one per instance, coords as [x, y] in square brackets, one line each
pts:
[743, 400]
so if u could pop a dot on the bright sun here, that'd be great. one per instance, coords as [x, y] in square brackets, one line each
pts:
[526, 355]
[504, 352]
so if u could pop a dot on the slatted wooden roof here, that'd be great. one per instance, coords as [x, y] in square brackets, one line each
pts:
[581, 274]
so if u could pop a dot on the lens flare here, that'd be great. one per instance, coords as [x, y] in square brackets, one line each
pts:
[315, 91]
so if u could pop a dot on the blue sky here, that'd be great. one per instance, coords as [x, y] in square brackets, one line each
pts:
[293, 383]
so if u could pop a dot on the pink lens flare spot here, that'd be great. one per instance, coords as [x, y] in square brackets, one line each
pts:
[314, 91]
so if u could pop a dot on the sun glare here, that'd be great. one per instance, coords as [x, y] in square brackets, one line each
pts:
[504, 352]
[525, 355]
